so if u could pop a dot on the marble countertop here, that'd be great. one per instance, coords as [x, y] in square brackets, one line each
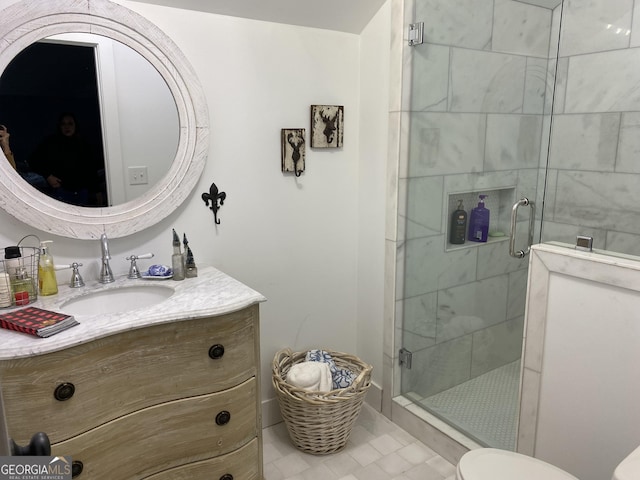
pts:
[212, 293]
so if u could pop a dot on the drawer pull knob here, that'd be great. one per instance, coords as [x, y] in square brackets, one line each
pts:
[216, 351]
[226, 476]
[64, 391]
[223, 417]
[76, 468]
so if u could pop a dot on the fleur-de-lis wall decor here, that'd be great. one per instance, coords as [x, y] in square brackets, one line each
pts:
[217, 200]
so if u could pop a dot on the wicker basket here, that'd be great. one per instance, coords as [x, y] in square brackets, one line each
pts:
[320, 422]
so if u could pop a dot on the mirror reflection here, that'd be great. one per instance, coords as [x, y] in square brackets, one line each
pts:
[87, 120]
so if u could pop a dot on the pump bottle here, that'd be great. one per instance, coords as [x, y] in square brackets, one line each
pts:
[479, 222]
[458, 227]
[47, 283]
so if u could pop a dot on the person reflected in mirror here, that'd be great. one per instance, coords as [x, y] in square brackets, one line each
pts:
[22, 167]
[67, 163]
[6, 148]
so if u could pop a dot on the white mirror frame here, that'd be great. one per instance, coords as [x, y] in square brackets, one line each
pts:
[28, 21]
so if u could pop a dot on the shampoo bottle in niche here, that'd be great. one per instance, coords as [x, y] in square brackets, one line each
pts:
[47, 283]
[458, 227]
[479, 222]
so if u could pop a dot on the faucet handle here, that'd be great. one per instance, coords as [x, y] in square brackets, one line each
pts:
[76, 279]
[134, 272]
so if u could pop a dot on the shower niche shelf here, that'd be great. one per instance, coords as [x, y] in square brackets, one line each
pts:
[499, 201]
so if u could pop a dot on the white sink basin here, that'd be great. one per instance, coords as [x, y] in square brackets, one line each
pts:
[117, 300]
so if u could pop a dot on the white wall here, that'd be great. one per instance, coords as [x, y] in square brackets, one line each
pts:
[374, 107]
[312, 245]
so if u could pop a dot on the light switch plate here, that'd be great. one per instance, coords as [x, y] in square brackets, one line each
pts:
[138, 176]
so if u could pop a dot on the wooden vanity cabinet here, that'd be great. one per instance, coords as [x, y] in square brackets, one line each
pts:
[168, 401]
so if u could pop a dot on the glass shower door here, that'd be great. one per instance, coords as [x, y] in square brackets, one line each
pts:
[478, 123]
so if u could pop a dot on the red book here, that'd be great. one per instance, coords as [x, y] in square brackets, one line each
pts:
[36, 321]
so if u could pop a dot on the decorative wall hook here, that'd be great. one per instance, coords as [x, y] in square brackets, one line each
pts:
[214, 196]
[293, 150]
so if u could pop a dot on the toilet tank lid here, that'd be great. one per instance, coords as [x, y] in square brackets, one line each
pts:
[496, 464]
[629, 468]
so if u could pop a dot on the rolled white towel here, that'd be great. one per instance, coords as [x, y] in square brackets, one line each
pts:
[314, 376]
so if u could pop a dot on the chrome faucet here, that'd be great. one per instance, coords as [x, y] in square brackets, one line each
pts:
[106, 276]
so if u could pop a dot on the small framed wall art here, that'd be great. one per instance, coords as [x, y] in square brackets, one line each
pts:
[327, 126]
[293, 150]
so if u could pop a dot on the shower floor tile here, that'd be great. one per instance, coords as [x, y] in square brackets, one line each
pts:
[485, 407]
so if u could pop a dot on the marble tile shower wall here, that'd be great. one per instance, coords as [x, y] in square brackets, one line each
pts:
[595, 140]
[473, 122]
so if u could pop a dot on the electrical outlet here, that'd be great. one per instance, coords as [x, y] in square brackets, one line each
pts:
[138, 176]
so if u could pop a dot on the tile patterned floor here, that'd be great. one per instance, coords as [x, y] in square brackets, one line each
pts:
[377, 450]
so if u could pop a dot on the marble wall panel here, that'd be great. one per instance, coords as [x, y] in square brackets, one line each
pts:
[604, 82]
[496, 346]
[494, 259]
[521, 28]
[401, 215]
[566, 233]
[400, 254]
[599, 200]
[635, 28]
[443, 143]
[539, 78]
[420, 315]
[584, 142]
[477, 182]
[513, 142]
[424, 210]
[430, 78]
[595, 26]
[528, 181]
[429, 269]
[486, 82]
[471, 307]
[629, 144]
[517, 293]
[460, 23]
[439, 367]
[623, 242]
[560, 87]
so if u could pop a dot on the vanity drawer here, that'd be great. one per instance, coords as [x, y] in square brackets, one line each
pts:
[166, 436]
[119, 374]
[243, 464]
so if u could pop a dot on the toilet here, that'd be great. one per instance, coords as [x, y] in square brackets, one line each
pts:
[495, 464]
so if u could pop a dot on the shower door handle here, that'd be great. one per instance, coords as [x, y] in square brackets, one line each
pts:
[523, 202]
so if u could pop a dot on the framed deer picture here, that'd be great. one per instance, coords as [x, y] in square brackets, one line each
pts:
[327, 126]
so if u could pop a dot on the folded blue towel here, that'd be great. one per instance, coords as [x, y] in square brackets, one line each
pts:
[342, 378]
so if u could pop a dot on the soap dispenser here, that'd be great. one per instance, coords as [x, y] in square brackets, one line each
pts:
[47, 283]
[479, 222]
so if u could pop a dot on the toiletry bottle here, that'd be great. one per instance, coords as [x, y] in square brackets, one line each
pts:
[177, 259]
[5, 290]
[23, 287]
[47, 283]
[185, 244]
[479, 222]
[12, 260]
[191, 270]
[458, 227]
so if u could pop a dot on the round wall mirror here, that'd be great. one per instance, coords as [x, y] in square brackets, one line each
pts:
[125, 133]
[138, 194]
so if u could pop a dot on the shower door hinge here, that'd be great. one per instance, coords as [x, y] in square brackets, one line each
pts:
[416, 31]
[405, 358]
